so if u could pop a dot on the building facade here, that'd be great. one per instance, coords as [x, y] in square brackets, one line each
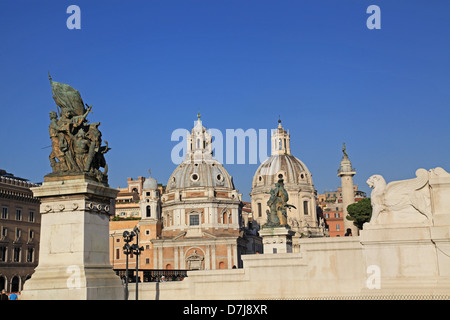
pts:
[19, 231]
[331, 203]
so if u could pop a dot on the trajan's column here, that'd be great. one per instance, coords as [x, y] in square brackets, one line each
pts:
[346, 173]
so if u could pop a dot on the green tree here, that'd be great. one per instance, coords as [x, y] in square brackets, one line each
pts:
[360, 212]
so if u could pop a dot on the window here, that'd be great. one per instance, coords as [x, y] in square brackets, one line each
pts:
[31, 216]
[30, 255]
[305, 207]
[194, 220]
[327, 215]
[3, 254]
[225, 218]
[18, 233]
[19, 214]
[4, 232]
[16, 255]
[117, 253]
[5, 213]
[31, 235]
[259, 209]
[148, 212]
[338, 227]
[336, 215]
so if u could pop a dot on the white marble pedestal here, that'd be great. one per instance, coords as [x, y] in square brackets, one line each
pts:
[277, 240]
[74, 242]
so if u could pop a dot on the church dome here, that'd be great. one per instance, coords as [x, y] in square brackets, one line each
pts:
[150, 184]
[281, 166]
[200, 174]
[199, 169]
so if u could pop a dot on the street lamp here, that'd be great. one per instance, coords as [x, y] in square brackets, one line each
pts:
[127, 249]
[137, 251]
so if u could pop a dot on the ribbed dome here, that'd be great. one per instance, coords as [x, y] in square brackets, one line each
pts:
[281, 166]
[199, 168]
[200, 174]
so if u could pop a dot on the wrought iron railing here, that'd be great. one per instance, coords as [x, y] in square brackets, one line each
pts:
[152, 275]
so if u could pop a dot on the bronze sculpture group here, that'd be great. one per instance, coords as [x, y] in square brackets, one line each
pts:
[76, 143]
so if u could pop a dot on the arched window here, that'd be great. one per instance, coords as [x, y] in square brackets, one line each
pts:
[148, 212]
[225, 218]
[15, 282]
[198, 143]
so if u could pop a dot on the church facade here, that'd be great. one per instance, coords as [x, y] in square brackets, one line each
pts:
[202, 219]
[298, 183]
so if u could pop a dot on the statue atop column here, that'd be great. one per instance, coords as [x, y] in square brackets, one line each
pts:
[76, 143]
[277, 215]
[344, 151]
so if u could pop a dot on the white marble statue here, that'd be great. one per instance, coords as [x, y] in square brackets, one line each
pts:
[401, 202]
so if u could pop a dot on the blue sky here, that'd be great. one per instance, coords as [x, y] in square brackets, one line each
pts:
[148, 67]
